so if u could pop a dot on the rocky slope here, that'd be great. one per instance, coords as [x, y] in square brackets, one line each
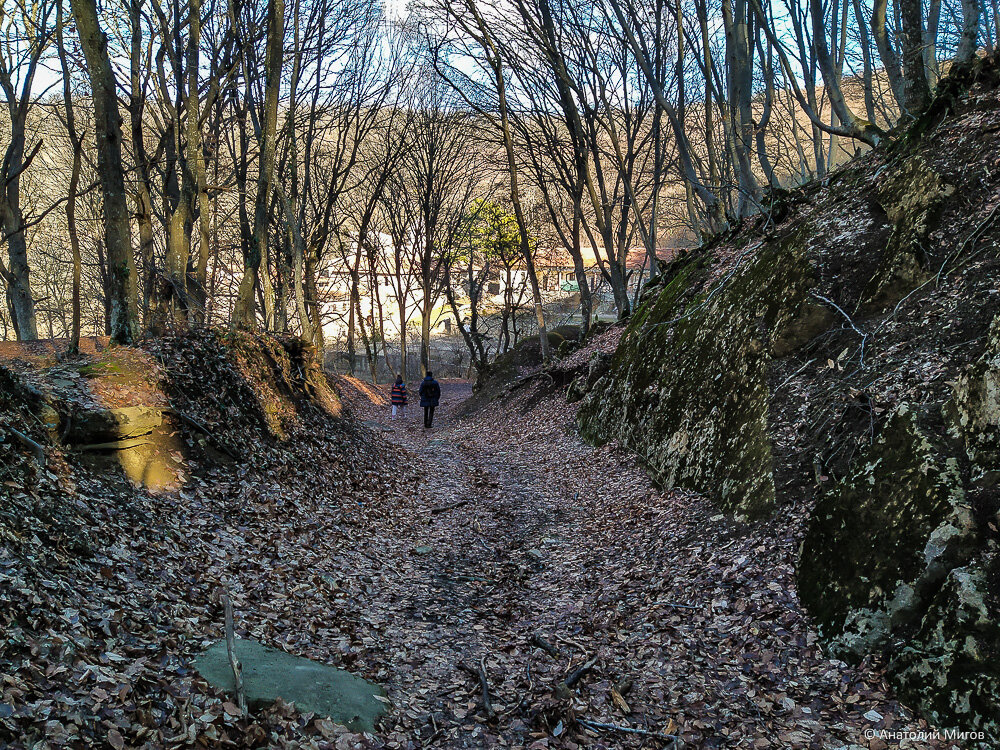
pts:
[840, 355]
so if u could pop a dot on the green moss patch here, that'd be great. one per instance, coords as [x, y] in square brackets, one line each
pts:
[867, 536]
[687, 389]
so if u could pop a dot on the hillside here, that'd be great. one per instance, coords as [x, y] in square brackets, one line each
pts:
[835, 361]
[115, 550]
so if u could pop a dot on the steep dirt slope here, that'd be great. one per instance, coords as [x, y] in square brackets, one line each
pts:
[836, 355]
[108, 589]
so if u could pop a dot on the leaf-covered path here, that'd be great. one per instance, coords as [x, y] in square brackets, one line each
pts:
[414, 558]
[531, 554]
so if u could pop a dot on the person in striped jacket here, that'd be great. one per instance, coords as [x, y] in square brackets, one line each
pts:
[398, 398]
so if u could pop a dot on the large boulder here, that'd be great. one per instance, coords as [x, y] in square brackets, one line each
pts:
[687, 389]
[881, 540]
[902, 554]
[269, 674]
[89, 426]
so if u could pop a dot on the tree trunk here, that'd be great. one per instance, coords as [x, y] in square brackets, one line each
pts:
[74, 182]
[122, 287]
[494, 60]
[971, 10]
[425, 328]
[243, 314]
[886, 52]
[19, 298]
[916, 91]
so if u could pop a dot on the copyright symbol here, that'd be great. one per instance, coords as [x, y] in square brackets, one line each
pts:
[869, 734]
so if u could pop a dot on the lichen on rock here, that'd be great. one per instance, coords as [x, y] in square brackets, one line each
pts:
[687, 388]
[951, 666]
[881, 540]
[974, 412]
[912, 197]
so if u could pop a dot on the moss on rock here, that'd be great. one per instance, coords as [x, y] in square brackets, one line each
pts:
[913, 197]
[882, 537]
[974, 412]
[687, 389]
[951, 666]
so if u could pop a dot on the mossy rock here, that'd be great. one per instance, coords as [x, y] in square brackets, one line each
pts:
[951, 667]
[884, 537]
[87, 426]
[974, 412]
[687, 388]
[269, 674]
[913, 197]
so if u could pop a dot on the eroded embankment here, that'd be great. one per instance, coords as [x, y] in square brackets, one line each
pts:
[841, 352]
[138, 485]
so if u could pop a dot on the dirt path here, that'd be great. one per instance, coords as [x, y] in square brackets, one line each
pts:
[401, 554]
[563, 555]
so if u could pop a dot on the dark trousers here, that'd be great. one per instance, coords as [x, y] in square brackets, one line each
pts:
[428, 416]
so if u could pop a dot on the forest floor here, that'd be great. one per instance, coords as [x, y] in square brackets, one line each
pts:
[563, 556]
[603, 612]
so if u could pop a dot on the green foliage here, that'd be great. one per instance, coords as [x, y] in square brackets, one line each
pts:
[491, 234]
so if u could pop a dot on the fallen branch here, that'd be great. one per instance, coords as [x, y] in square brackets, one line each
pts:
[524, 380]
[675, 606]
[480, 672]
[543, 644]
[788, 380]
[36, 448]
[972, 237]
[595, 725]
[450, 506]
[241, 698]
[571, 642]
[850, 322]
[116, 445]
[576, 674]
[192, 422]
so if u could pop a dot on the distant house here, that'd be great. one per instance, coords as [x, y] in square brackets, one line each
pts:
[556, 274]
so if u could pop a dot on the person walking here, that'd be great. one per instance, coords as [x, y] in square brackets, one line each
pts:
[399, 398]
[430, 395]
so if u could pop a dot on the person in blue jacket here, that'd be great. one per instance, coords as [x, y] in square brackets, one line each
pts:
[430, 395]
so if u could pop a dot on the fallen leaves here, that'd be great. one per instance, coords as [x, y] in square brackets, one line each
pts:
[551, 556]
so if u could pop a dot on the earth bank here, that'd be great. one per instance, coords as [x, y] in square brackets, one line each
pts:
[841, 351]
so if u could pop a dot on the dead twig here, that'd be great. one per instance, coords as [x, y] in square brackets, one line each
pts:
[116, 445]
[36, 448]
[672, 604]
[576, 674]
[970, 240]
[241, 698]
[850, 322]
[543, 644]
[787, 380]
[595, 725]
[480, 672]
[192, 422]
[450, 506]
[571, 642]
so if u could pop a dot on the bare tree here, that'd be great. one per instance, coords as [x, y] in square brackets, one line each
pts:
[28, 30]
[122, 288]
